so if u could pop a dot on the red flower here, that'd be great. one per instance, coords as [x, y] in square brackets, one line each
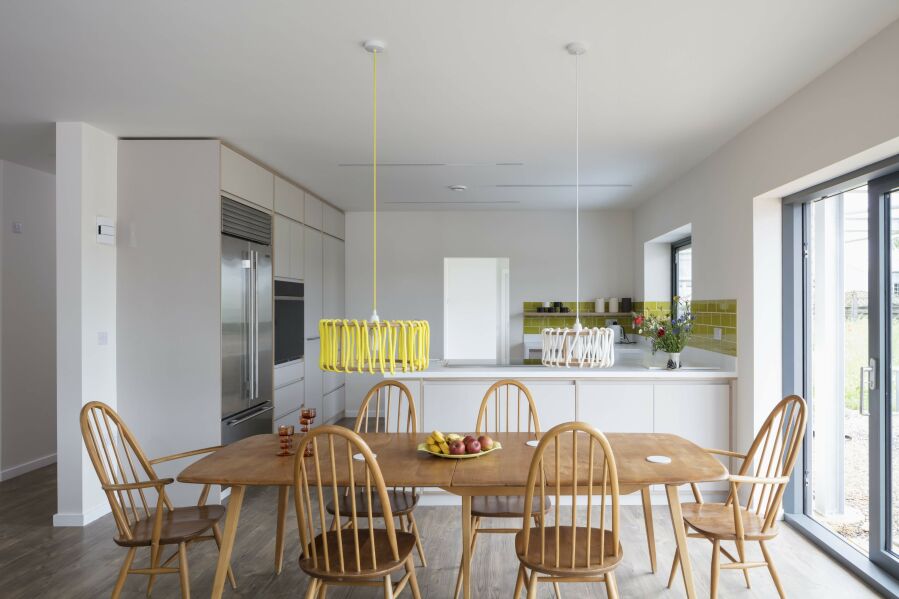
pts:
[661, 333]
[638, 321]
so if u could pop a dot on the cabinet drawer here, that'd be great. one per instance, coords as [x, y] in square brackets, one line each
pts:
[289, 373]
[286, 420]
[288, 199]
[334, 404]
[288, 399]
[247, 180]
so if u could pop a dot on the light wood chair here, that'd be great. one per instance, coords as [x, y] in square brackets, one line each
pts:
[572, 458]
[507, 406]
[351, 555]
[143, 513]
[390, 408]
[772, 455]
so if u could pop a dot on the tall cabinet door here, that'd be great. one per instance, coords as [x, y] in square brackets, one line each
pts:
[312, 261]
[333, 296]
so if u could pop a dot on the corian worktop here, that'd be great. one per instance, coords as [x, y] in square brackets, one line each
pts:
[630, 363]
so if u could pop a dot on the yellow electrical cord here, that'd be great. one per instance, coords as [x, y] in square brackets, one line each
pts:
[379, 345]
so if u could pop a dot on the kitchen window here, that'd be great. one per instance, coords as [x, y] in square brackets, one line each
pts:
[682, 269]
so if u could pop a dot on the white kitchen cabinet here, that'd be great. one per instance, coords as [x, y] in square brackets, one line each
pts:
[332, 294]
[699, 413]
[554, 400]
[313, 211]
[297, 250]
[616, 407]
[291, 418]
[289, 398]
[288, 199]
[243, 178]
[312, 383]
[334, 404]
[333, 221]
[313, 265]
[451, 406]
[281, 244]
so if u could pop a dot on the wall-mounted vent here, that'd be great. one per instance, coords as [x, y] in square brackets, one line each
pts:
[239, 220]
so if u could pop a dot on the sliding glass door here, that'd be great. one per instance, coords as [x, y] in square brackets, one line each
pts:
[850, 323]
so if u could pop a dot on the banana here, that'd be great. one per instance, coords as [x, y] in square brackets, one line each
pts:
[438, 436]
[453, 437]
[444, 448]
[431, 440]
[433, 448]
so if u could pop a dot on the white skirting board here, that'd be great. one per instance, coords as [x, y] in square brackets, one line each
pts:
[21, 469]
[438, 497]
[84, 519]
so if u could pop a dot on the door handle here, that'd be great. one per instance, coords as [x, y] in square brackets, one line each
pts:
[312, 338]
[250, 416]
[865, 383]
[255, 325]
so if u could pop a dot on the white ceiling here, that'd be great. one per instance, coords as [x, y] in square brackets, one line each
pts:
[466, 83]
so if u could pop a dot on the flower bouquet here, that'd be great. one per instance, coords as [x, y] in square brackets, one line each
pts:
[668, 333]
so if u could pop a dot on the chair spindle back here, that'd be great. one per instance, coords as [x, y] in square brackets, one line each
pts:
[349, 550]
[774, 452]
[503, 403]
[393, 404]
[573, 458]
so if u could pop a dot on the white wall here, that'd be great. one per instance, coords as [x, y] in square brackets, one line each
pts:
[168, 293]
[846, 118]
[28, 395]
[85, 307]
[539, 245]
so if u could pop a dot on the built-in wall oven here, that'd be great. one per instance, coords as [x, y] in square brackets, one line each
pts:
[288, 321]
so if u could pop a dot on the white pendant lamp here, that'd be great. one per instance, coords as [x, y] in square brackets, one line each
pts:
[374, 345]
[577, 346]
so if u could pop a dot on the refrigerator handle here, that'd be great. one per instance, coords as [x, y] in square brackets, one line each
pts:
[255, 354]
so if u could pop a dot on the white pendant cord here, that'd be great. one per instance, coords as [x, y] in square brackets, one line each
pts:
[577, 194]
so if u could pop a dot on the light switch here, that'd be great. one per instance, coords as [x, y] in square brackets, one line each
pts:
[717, 334]
[18, 227]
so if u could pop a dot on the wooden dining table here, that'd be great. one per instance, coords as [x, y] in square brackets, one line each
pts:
[253, 462]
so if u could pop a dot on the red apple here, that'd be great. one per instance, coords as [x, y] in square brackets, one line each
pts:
[486, 442]
[468, 439]
[473, 446]
[457, 448]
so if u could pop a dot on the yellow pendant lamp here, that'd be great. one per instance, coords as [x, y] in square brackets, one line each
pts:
[374, 345]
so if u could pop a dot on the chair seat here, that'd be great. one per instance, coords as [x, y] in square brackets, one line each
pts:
[505, 506]
[178, 525]
[716, 520]
[567, 536]
[405, 542]
[401, 503]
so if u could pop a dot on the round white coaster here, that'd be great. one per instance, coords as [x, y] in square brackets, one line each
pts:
[658, 459]
[532, 443]
[361, 458]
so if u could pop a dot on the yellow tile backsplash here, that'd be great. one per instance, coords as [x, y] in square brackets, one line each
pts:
[709, 315]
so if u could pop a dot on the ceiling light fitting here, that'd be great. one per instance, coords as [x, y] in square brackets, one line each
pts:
[578, 346]
[458, 187]
[374, 344]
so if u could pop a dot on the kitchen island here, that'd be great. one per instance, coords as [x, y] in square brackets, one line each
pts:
[635, 395]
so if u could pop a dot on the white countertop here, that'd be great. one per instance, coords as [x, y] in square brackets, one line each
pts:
[630, 363]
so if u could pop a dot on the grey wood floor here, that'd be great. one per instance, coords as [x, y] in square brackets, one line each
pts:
[37, 560]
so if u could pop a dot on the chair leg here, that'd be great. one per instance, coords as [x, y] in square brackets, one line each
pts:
[741, 552]
[279, 532]
[532, 585]
[611, 585]
[557, 590]
[182, 567]
[217, 534]
[322, 591]
[123, 573]
[519, 581]
[388, 588]
[650, 532]
[716, 569]
[674, 565]
[418, 545]
[475, 522]
[312, 589]
[413, 580]
[154, 562]
[772, 570]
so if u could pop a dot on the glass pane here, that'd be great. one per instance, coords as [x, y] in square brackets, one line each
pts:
[685, 272]
[838, 337]
[894, 359]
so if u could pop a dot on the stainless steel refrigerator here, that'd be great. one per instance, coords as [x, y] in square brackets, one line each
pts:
[247, 349]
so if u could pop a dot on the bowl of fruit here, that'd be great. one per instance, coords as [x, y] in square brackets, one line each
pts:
[458, 447]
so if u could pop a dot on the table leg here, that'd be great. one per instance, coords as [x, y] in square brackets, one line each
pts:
[680, 535]
[466, 546]
[231, 518]
[279, 534]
